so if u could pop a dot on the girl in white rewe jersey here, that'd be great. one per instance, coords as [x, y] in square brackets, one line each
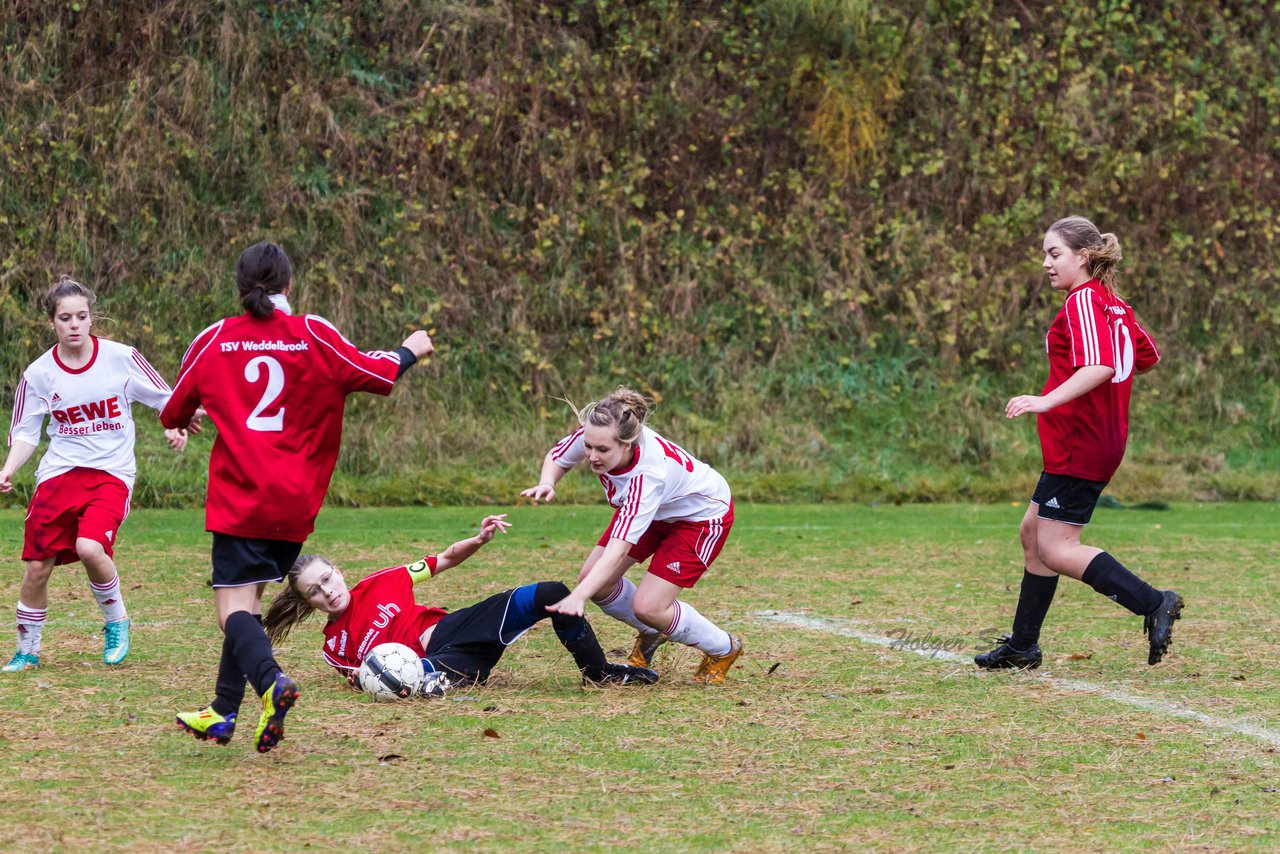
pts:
[670, 507]
[84, 386]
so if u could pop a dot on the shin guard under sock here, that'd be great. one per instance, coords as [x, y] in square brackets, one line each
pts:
[574, 633]
[252, 650]
[1109, 577]
[619, 604]
[1033, 604]
[229, 689]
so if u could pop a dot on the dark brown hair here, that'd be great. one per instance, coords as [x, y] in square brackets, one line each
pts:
[288, 608]
[263, 270]
[63, 288]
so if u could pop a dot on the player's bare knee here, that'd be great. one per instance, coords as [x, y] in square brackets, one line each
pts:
[37, 573]
[90, 551]
[654, 614]
[1027, 535]
[1051, 555]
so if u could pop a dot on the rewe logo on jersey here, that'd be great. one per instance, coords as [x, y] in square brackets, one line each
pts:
[385, 613]
[674, 566]
[1053, 504]
[96, 411]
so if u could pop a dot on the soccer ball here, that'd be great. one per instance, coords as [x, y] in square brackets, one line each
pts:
[391, 671]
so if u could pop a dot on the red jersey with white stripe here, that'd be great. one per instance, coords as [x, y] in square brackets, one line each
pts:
[90, 418]
[1086, 437]
[276, 389]
[663, 482]
[381, 610]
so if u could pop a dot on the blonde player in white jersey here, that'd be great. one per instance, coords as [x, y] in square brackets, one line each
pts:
[669, 506]
[84, 385]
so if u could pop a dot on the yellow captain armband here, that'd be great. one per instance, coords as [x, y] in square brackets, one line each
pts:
[422, 569]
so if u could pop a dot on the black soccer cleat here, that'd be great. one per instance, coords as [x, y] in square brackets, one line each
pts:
[1005, 656]
[1158, 626]
[620, 674]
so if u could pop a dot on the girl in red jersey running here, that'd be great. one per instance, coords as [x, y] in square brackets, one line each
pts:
[669, 506]
[1095, 347]
[458, 648]
[275, 384]
[85, 386]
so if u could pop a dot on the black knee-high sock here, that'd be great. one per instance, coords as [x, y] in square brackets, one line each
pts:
[252, 650]
[575, 633]
[1109, 577]
[229, 691]
[1033, 604]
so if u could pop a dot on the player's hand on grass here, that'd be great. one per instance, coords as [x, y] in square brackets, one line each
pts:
[544, 491]
[194, 426]
[6, 481]
[177, 439]
[571, 605]
[1024, 403]
[419, 343]
[492, 525]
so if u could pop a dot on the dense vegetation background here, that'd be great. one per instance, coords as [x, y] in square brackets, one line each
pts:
[809, 228]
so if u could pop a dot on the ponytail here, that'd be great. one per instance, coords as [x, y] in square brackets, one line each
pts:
[1104, 260]
[1101, 251]
[263, 270]
[623, 409]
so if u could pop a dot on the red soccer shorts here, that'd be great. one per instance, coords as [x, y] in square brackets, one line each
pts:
[681, 551]
[79, 503]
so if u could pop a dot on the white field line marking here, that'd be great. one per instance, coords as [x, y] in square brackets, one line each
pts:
[847, 628]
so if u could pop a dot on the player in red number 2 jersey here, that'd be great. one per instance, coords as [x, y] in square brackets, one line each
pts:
[1095, 347]
[668, 506]
[275, 384]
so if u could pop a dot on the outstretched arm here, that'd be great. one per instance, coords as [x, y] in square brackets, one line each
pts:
[417, 346]
[463, 549]
[551, 474]
[605, 572]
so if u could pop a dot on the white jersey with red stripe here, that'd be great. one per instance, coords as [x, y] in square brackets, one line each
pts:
[663, 483]
[90, 417]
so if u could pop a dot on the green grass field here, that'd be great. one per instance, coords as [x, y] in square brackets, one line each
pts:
[824, 738]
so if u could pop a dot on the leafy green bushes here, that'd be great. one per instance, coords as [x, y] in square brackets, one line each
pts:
[810, 228]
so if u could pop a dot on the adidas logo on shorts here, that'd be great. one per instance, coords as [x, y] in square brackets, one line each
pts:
[1052, 503]
[674, 566]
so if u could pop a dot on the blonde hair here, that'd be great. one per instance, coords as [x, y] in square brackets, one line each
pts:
[624, 410]
[1101, 251]
[288, 608]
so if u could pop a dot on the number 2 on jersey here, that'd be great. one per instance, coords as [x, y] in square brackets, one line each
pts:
[275, 385]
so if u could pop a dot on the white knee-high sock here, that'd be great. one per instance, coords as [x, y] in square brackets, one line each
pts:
[618, 605]
[691, 628]
[110, 599]
[30, 627]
